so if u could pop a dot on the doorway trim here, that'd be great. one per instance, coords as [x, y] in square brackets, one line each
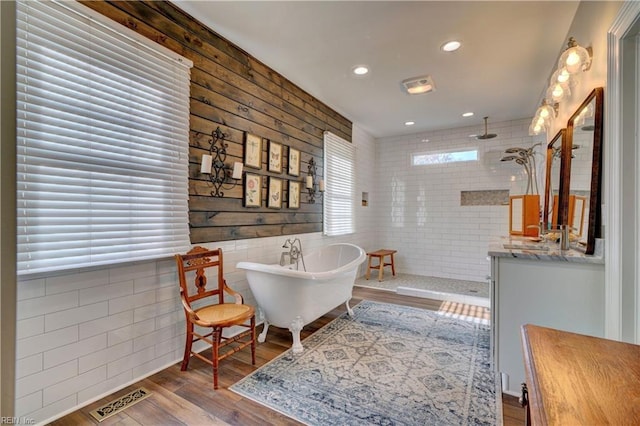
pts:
[618, 136]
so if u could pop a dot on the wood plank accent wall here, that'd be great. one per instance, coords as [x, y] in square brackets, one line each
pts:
[234, 91]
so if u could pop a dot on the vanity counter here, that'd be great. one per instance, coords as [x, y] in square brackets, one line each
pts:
[562, 290]
[575, 379]
[527, 248]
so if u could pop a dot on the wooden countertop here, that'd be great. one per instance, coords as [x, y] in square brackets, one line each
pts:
[575, 379]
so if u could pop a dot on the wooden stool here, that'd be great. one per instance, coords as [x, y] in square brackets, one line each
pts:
[380, 254]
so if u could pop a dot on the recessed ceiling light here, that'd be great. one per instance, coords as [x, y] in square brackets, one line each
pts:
[425, 140]
[451, 46]
[360, 70]
[467, 114]
[409, 123]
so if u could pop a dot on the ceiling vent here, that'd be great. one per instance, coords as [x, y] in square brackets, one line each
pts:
[418, 85]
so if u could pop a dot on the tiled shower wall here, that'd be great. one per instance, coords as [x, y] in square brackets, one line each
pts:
[84, 335]
[418, 210]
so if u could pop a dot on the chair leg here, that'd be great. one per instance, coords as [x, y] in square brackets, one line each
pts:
[215, 337]
[253, 340]
[187, 346]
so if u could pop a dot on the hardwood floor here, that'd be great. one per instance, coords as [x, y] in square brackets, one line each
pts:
[188, 397]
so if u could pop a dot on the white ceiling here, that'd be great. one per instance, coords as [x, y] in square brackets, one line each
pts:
[509, 49]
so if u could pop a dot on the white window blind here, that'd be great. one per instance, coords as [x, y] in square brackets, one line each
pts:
[103, 128]
[339, 172]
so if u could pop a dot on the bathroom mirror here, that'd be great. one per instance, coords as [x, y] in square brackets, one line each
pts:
[583, 155]
[552, 206]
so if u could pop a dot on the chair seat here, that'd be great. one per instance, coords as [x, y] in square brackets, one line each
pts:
[225, 313]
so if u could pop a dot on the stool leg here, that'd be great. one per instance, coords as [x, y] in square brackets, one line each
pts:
[393, 266]
[381, 271]
[368, 273]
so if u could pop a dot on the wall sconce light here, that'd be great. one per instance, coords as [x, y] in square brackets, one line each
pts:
[543, 117]
[561, 76]
[212, 164]
[575, 58]
[311, 182]
[557, 92]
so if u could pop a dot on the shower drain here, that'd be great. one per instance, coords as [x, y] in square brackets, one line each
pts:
[120, 404]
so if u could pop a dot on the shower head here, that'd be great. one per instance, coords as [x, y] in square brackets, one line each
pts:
[486, 134]
[513, 150]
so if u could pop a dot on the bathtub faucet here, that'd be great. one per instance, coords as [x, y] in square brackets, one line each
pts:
[294, 253]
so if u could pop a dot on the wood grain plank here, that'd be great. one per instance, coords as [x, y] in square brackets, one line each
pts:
[200, 219]
[204, 235]
[247, 99]
[211, 204]
[233, 107]
[579, 379]
[211, 112]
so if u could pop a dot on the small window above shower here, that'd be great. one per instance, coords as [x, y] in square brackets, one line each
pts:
[428, 158]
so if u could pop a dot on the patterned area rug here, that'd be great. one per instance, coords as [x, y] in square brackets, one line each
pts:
[388, 365]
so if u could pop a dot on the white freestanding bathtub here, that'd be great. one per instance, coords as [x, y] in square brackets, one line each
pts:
[292, 298]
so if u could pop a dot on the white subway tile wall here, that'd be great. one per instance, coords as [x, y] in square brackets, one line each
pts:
[84, 335]
[417, 208]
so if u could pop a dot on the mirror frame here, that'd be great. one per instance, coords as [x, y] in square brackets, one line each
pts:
[562, 206]
[595, 196]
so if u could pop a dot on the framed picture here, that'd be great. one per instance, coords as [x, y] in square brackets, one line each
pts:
[252, 190]
[275, 157]
[274, 193]
[252, 150]
[294, 162]
[294, 194]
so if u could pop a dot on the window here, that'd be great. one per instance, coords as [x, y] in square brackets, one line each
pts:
[339, 172]
[103, 122]
[422, 159]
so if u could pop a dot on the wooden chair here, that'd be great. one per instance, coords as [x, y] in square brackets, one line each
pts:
[216, 315]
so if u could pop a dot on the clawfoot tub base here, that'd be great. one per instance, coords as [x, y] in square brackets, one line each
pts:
[263, 334]
[349, 310]
[295, 329]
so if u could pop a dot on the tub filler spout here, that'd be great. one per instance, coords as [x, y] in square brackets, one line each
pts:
[294, 254]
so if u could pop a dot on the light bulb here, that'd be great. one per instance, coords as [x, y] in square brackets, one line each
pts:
[557, 92]
[544, 113]
[534, 129]
[572, 59]
[540, 122]
[563, 76]
[575, 59]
